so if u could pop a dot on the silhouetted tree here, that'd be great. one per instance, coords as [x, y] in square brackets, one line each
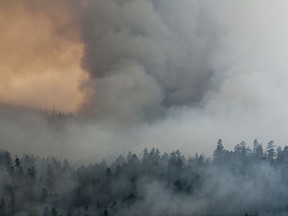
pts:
[219, 152]
[270, 151]
[44, 195]
[54, 212]
[17, 162]
[106, 213]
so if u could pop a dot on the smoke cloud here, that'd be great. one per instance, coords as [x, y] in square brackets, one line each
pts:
[169, 43]
[40, 54]
[169, 74]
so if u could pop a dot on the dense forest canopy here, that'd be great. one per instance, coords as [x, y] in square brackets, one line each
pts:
[246, 181]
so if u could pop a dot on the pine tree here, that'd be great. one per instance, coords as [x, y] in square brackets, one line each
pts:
[201, 161]
[219, 149]
[257, 149]
[270, 152]
[17, 162]
[44, 195]
[54, 212]
[108, 172]
[219, 152]
[106, 213]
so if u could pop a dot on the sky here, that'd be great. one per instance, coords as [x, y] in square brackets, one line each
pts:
[155, 73]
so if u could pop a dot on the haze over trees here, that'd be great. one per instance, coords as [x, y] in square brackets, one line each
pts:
[136, 73]
[246, 181]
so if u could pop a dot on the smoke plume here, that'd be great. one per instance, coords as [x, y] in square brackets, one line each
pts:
[146, 56]
[160, 73]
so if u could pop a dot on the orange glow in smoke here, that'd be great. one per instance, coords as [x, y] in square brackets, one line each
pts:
[39, 66]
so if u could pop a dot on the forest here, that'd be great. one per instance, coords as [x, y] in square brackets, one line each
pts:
[245, 181]
[95, 79]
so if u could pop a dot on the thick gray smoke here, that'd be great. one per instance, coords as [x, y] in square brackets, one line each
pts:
[173, 74]
[144, 56]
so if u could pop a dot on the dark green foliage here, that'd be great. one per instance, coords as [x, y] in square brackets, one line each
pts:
[54, 212]
[55, 188]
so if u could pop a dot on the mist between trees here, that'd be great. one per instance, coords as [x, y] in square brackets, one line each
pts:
[241, 182]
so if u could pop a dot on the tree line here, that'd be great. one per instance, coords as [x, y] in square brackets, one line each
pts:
[245, 181]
